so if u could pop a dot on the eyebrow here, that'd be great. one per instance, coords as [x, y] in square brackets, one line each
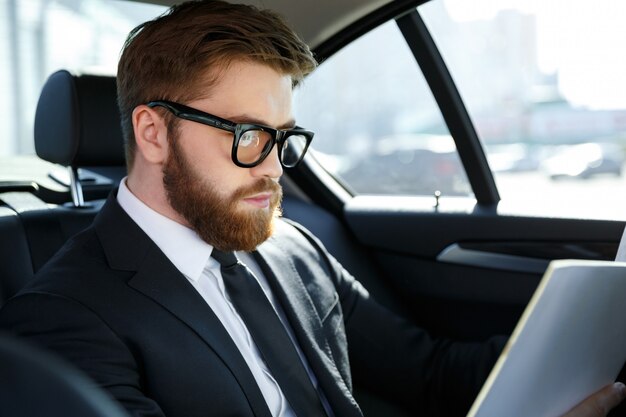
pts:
[243, 118]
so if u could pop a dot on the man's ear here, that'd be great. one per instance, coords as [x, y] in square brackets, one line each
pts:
[150, 134]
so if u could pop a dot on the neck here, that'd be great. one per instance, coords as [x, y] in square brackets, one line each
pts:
[149, 189]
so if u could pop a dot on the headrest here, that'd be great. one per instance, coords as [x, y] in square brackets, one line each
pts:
[77, 122]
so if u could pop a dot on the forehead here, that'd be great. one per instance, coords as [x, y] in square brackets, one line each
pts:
[252, 89]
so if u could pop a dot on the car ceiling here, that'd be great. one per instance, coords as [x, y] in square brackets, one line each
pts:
[316, 20]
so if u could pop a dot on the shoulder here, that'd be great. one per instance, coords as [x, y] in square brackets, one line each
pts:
[79, 267]
[310, 259]
[287, 231]
[300, 244]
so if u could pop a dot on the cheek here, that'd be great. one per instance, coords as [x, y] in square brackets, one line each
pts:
[217, 172]
[210, 162]
[207, 158]
[203, 146]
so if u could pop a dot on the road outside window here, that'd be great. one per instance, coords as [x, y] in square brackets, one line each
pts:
[377, 126]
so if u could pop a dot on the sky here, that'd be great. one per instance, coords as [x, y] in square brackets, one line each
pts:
[580, 40]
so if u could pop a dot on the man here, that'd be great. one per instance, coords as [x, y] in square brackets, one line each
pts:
[148, 300]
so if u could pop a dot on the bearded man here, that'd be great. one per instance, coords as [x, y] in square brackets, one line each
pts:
[188, 296]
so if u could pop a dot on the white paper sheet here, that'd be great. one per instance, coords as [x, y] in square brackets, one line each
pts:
[570, 341]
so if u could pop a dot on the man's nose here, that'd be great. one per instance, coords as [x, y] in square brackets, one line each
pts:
[270, 167]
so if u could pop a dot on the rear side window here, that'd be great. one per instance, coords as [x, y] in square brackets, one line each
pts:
[544, 83]
[377, 127]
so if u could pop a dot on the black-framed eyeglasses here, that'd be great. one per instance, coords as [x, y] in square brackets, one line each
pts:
[252, 142]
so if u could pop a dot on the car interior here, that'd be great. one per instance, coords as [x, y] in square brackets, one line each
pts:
[460, 268]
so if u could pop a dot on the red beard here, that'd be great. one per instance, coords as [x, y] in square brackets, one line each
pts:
[216, 219]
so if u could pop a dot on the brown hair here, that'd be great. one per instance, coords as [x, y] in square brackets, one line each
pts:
[168, 57]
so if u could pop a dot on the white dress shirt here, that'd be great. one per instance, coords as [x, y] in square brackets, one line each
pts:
[192, 257]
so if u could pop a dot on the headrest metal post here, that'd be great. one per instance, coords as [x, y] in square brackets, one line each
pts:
[76, 189]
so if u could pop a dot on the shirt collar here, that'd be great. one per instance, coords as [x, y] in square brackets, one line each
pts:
[180, 244]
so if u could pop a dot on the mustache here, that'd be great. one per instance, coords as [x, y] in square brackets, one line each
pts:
[260, 186]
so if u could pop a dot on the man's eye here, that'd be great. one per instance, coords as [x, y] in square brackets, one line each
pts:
[250, 139]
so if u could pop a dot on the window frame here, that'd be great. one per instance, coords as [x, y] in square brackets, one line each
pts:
[452, 108]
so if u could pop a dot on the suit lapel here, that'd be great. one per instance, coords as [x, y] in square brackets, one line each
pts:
[288, 286]
[157, 278]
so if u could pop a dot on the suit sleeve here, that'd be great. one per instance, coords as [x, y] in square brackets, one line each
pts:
[75, 333]
[392, 357]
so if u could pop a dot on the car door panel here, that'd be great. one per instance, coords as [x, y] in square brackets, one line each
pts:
[469, 273]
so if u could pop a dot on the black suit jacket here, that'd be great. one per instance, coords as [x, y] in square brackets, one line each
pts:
[114, 305]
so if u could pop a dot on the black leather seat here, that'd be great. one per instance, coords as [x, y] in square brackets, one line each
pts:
[15, 262]
[76, 125]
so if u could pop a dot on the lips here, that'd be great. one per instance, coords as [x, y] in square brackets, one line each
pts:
[259, 200]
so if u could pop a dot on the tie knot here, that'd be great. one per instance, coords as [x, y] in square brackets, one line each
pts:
[226, 259]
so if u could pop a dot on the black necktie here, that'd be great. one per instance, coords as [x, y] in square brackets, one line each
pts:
[269, 335]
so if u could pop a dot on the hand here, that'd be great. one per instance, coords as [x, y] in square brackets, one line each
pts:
[600, 403]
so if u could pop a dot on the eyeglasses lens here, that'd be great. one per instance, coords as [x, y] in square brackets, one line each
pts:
[293, 149]
[252, 146]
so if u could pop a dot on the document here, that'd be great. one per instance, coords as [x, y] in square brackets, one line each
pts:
[570, 342]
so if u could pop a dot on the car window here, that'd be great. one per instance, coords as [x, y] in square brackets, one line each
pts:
[545, 87]
[377, 127]
[40, 37]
